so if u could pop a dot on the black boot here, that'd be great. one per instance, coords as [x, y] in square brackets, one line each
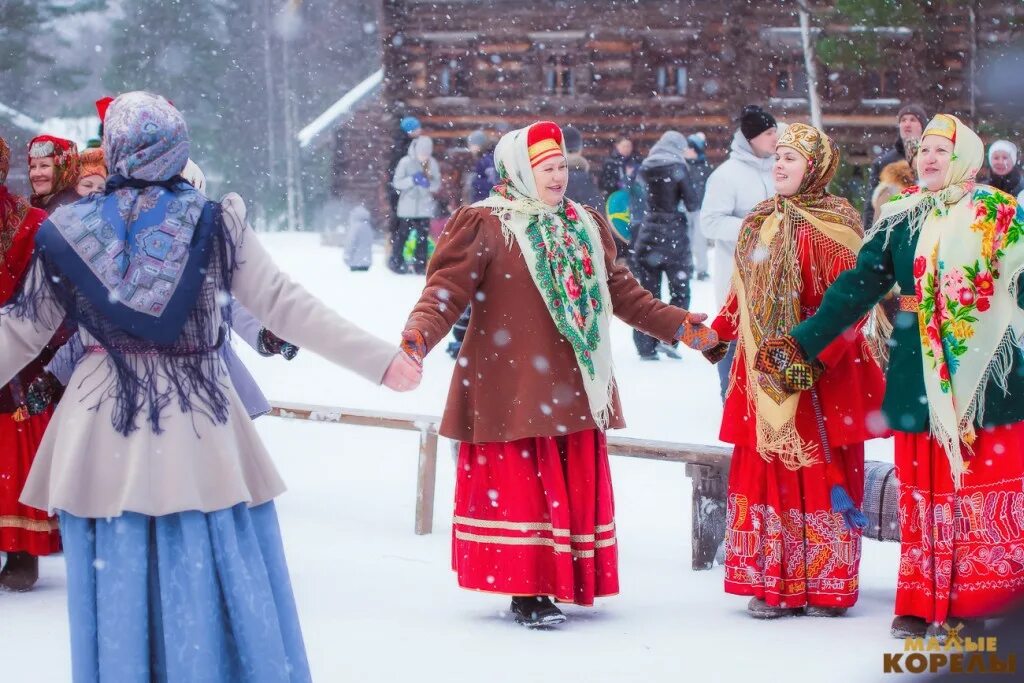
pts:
[759, 609]
[908, 627]
[536, 611]
[20, 573]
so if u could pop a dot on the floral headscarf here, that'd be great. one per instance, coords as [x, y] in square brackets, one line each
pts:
[65, 165]
[767, 280]
[563, 250]
[138, 239]
[967, 262]
[144, 137]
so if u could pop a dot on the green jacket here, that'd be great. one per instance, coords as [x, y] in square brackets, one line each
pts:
[879, 267]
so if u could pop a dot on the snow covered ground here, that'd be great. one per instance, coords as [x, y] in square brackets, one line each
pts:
[379, 603]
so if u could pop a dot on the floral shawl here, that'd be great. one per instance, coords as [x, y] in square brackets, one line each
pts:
[767, 281]
[967, 263]
[13, 209]
[563, 251]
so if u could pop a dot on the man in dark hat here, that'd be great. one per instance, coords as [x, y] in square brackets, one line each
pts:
[910, 122]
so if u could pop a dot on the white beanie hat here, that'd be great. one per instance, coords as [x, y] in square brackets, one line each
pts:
[1003, 146]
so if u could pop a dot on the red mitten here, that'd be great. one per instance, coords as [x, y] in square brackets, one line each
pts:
[414, 345]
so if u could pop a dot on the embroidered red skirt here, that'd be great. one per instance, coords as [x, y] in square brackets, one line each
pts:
[962, 552]
[22, 529]
[783, 543]
[536, 517]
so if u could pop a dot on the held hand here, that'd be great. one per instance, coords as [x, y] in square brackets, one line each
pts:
[269, 344]
[403, 374]
[414, 346]
[41, 393]
[717, 353]
[694, 334]
[289, 350]
[421, 179]
[783, 359]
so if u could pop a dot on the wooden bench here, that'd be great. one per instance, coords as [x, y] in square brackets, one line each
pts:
[706, 466]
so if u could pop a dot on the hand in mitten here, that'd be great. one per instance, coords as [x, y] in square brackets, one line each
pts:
[784, 359]
[43, 391]
[695, 334]
[414, 345]
[269, 344]
[421, 179]
[716, 353]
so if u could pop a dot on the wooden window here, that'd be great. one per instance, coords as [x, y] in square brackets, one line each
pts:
[668, 74]
[450, 76]
[671, 79]
[559, 79]
[790, 79]
[883, 83]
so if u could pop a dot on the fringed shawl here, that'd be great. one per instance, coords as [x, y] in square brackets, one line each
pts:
[143, 269]
[967, 264]
[563, 251]
[768, 282]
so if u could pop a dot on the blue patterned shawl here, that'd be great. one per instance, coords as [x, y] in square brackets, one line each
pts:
[143, 268]
[139, 252]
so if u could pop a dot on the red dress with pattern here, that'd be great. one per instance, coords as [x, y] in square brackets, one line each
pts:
[962, 552]
[783, 542]
[22, 529]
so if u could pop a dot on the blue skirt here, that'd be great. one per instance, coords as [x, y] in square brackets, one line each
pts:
[192, 596]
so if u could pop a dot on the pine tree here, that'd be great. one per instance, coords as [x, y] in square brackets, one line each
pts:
[28, 43]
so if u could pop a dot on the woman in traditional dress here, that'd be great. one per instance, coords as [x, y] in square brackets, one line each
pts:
[533, 391]
[53, 167]
[790, 544]
[955, 379]
[175, 566]
[25, 533]
[49, 386]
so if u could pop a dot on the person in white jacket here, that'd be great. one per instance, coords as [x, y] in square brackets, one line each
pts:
[417, 180]
[742, 182]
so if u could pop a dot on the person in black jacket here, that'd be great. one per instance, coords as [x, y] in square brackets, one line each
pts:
[910, 121]
[662, 244]
[581, 187]
[699, 169]
[620, 168]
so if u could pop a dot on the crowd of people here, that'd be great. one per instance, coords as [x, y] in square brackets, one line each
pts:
[122, 283]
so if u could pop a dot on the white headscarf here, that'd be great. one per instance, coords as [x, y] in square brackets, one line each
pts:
[564, 253]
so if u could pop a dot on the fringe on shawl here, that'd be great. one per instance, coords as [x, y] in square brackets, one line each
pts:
[190, 367]
[602, 416]
[915, 216]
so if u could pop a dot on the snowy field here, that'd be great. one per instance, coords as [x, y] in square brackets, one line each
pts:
[379, 603]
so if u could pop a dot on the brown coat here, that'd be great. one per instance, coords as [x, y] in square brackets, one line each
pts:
[516, 376]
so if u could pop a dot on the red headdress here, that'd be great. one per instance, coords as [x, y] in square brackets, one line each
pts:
[544, 140]
[65, 164]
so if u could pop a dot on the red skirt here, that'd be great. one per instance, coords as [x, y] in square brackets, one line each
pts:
[784, 544]
[536, 517]
[962, 552]
[22, 529]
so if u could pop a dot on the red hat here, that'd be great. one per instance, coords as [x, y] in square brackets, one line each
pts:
[543, 140]
[51, 146]
[101, 107]
[65, 162]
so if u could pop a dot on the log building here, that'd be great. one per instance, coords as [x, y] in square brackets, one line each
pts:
[647, 66]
